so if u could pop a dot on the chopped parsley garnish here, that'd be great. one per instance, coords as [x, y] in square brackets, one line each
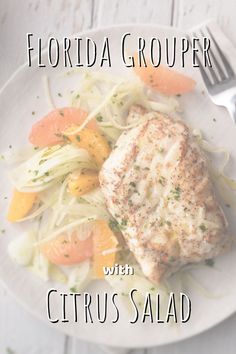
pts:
[73, 289]
[161, 150]
[99, 118]
[136, 167]
[124, 294]
[123, 224]
[130, 202]
[203, 227]
[77, 96]
[113, 224]
[171, 259]
[161, 222]
[46, 173]
[65, 138]
[133, 184]
[209, 262]
[168, 222]
[33, 113]
[59, 94]
[176, 193]
[162, 180]
[78, 138]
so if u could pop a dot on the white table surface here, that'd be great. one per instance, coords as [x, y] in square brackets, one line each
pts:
[20, 333]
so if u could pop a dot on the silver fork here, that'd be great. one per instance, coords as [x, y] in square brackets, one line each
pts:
[220, 79]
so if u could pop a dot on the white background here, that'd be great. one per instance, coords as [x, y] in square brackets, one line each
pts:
[19, 331]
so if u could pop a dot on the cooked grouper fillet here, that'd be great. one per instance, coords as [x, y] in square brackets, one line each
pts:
[157, 186]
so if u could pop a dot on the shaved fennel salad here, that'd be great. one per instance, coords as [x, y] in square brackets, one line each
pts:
[71, 236]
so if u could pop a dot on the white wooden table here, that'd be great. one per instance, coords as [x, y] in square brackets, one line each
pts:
[20, 333]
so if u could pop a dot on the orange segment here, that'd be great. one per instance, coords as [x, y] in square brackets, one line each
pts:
[49, 130]
[20, 205]
[94, 142]
[66, 250]
[163, 79]
[104, 244]
[80, 184]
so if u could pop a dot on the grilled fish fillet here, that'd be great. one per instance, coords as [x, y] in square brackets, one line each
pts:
[157, 186]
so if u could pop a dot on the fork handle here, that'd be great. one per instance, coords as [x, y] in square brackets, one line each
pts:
[231, 106]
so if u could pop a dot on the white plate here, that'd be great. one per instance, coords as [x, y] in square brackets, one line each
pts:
[17, 101]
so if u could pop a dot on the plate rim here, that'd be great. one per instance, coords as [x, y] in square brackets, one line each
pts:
[4, 87]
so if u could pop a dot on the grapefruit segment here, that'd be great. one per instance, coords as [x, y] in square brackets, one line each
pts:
[81, 183]
[104, 248]
[67, 249]
[163, 79]
[94, 142]
[20, 205]
[50, 129]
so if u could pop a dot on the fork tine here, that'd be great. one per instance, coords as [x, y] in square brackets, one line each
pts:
[203, 72]
[228, 67]
[220, 71]
[213, 74]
